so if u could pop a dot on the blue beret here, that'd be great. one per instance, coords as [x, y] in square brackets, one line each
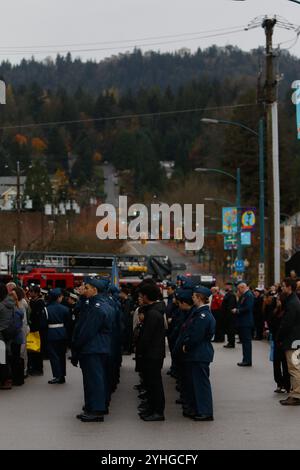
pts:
[202, 290]
[184, 294]
[55, 293]
[92, 281]
[188, 284]
[180, 277]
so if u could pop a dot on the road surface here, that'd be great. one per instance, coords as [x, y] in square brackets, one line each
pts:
[247, 412]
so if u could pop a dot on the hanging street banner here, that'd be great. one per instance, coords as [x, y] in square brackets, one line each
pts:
[296, 101]
[229, 220]
[246, 238]
[248, 219]
[230, 242]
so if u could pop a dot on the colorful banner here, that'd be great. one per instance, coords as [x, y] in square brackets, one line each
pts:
[246, 238]
[229, 218]
[248, 219]
[230, 242]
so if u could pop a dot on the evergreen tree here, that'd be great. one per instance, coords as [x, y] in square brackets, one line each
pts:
[38, 186]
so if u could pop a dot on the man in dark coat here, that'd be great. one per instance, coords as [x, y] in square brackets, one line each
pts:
[258, 313]
[151, 348]
[245, 323]
[289, 338]
[229, 303]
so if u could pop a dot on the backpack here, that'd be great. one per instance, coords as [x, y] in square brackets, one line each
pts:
[13, 328]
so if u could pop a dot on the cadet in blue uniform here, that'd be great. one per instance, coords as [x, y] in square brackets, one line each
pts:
[58, 319]
[91, 346]
[198, 354]
[186, 306]
[245, 321]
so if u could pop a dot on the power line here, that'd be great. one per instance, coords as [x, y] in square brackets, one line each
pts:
[126, 116]
[196, 38]
[151, 38]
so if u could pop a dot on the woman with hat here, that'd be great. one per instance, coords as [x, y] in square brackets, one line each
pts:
[198, 354]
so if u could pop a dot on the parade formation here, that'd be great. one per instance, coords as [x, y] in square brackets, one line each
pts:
[99, 323]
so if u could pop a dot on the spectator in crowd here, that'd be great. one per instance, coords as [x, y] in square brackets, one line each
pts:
[216, 310]
[280, 368]
[289, 338]
[244, 321]
[228, 304]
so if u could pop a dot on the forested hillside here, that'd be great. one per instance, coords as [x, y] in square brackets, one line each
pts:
[220, 83]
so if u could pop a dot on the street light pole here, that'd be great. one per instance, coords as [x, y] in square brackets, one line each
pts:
[238, 212]
[18, 207]
[261, 271]
[237, 178]
[260, 135]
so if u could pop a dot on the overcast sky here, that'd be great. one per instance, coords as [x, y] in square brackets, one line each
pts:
[28, 25]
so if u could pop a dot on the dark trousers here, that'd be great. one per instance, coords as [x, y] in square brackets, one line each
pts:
[259, 326]
[17, 364]
[5, 369]
[280, 369]
[154, 386]
[198, 385]
[219, 334]
[245, 334]
[57, 355]
[230, 328]
[128, 334]
[93, 367]
[35, 362]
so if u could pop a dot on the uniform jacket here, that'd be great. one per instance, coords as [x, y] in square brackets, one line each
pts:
[92, 333]
[244, 318]
[289, 330]
[198, 334]
[57, 314]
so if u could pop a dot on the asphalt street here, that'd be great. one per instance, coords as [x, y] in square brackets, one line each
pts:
[247, 412]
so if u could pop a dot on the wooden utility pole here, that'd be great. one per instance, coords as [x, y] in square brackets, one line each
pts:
[273, 210]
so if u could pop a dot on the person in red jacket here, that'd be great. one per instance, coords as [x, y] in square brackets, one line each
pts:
[216, 310]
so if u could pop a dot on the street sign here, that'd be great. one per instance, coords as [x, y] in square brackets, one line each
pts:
[229, 218]
[248, 219]
[261, 268]
[246, 238]
[239, 265]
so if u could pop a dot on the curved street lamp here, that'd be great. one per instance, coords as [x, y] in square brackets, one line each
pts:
[237, 178]
[260, 135]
